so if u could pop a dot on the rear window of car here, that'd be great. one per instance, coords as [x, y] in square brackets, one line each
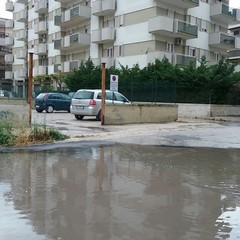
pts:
[84, 95]
[41, 96]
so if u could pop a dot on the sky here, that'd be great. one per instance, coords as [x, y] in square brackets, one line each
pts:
[5, 14]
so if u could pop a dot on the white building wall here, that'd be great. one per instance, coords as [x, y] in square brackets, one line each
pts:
[126, 6]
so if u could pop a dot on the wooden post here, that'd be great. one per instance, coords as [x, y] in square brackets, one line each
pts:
[103, 94]
[30, 86]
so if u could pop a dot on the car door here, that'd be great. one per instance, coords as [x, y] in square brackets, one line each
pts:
[65, 102]
[56, 101]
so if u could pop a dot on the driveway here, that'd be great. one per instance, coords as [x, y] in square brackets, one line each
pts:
[185, 132]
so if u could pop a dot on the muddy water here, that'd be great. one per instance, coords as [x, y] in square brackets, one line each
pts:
[120, 192]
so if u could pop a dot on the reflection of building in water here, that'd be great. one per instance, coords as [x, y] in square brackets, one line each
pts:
[106, 192]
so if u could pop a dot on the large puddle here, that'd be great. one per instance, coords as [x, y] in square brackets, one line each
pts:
[118, 192]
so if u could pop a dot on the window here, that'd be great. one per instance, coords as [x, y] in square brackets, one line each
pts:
[120, 50]
[192, 51]
[169, 47]
[203, 27]
[216, 56]
[121, 20]
[109, 52]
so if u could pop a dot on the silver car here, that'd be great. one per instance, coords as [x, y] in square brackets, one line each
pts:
[87, 102]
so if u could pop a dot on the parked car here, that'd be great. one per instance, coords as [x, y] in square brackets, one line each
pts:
[52, 101]
[87, 102]
[6, 94]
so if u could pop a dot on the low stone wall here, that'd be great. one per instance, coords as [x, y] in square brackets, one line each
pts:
[207, 110]
[140, 113]
[15, 110]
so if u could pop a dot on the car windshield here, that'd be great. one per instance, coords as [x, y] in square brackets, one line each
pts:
[84, 95]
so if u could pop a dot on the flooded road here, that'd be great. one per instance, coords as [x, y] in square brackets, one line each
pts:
[118, 192]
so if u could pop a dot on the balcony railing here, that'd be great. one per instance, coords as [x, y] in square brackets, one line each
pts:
[41, 6]
[9, 23]
[184, 60]
[9, 41]
[187, 28]
[223, 41]
[73, 16]
[21, 16]
[57, 43]
[181, 4]
[21, 54]
[235, 54]
[171, 27]
[9, 6]
[103, 7]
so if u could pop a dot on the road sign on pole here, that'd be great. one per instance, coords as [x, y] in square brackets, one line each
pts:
[114, 83]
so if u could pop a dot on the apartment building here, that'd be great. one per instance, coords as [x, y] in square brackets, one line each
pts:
[5, 67]
[63, 33]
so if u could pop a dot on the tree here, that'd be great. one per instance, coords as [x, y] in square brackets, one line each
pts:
[86, 76]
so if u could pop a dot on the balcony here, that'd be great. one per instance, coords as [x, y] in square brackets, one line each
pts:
[41, 6]
[8, 75]
[105, 35]
[72, 42]
[9, 41]
[9, 6]
[56, 67]
[183, 60]
[70, 65]
[9, 23]
[41, 27]
[21, 54]
[40, 70]
[223, 13]
[41, 49]
[22, 1]
[21, 16]
[21, 35]
[103, 7]
[73, 16]
[152, 56]
[8, 58]
[21, 73]
[170, 27]
[184, 4]
[223, 41]
[234, 54]
[109, 61]
[65, 1]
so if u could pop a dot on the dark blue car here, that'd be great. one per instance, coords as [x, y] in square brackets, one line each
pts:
[52, 101]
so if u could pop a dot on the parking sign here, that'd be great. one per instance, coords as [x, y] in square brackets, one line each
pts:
[114, 83]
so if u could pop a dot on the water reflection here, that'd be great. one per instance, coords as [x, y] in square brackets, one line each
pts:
[120, 192]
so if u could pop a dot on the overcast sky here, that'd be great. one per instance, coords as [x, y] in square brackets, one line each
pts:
[5, 14]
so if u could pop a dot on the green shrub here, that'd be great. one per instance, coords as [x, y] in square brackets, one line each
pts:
[6, 133]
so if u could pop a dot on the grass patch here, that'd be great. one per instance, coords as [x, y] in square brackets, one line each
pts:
[24, 135]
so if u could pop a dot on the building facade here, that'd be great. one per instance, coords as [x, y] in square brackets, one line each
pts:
[63, 33]
[5, 67]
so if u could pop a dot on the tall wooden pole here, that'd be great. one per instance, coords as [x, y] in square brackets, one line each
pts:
[103, 94]
[30, 86]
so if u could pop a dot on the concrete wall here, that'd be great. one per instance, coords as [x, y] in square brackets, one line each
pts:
[207, 110]
[15, 110]
[140, 113]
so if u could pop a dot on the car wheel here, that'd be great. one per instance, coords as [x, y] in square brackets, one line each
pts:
[49, 109]
[39, 110]
[99, 116]
[79, 117]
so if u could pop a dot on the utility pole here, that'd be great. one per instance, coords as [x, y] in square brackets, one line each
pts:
[103, 94]
[30, 86]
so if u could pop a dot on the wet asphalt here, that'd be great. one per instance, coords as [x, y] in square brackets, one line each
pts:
[213, 133]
